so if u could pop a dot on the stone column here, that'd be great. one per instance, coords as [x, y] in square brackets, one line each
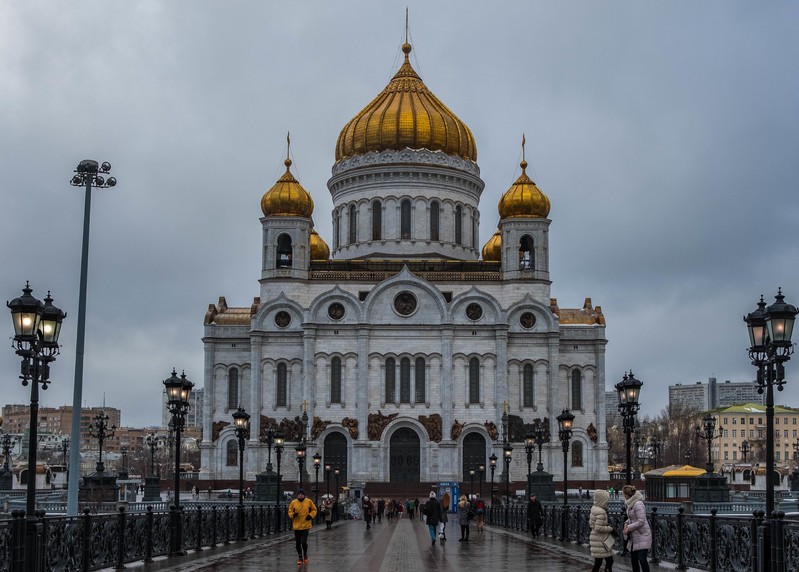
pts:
[446, 383]
[256, 355]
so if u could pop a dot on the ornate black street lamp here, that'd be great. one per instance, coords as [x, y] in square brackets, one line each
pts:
[654, 449]
[278, 440]
[507, 455]
[328, 471]
[241, 422]
[336, 472]
[492, 463]
[7, 443]
[177, 391]
[471, 482]
[153, 442]
[744, 449]
[37, 326]
[268, 435]
[481, 469]
[770, 329]
[89, 174]
[317, 462]
[628, 389]
[565, 423]
[300, 450]
[707, 431]
[541, 437]
[100, 430]
[152, 482]
[529, 447]
[64, 450]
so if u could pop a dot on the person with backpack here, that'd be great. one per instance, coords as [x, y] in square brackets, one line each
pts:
[301, 513]
[479, 512]
[465, 515]
[432, 513]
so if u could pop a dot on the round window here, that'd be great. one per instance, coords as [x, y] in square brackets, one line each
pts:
[527, 320]
[474, 311]
[335, 311]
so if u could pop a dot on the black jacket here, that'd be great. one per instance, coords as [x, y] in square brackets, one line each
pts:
[432, 510]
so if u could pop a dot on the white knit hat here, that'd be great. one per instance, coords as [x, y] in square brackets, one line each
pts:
[432, 494]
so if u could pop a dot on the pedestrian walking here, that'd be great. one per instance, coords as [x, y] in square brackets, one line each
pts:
[465, 515]
[479, 512]
[601, 540]
[636, 529]
[366, 507]
[445, 500]
[327, 512]
[535, 515]
[432, 513]
[411, 508]
[390, 509]
[302, 511]
[381, 508]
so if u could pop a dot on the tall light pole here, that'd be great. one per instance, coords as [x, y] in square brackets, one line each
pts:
[770, 331]
[89, 174]
[708, 432]
[629, 390]
[279, 440]
[492, 463]
[565, 423]
[241, 421]
[328, 470]
[481, 469]
[300, 450]
[37, 326]
[7, 442]
[152, 482]
[100, 430]
[317, 462]
[336, 472]
[507, 455]
[177, 390]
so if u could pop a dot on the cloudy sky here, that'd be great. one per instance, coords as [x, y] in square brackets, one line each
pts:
[666, 135]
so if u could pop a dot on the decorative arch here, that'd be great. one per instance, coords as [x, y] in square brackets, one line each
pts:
[335, 451]
[475, 447]
[404, 278]
[264, 318]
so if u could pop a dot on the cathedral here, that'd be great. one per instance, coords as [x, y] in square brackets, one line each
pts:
[404, 353]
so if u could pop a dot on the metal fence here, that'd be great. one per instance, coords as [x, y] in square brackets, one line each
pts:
[95, 541]
[718, 543]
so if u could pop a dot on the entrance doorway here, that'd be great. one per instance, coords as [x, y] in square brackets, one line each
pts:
[474, 455]
[404, 456]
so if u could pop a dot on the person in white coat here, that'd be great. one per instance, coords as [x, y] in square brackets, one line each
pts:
[600, 540]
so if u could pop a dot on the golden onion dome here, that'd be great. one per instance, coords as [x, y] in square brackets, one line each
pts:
[523, 199]
[319, 248]
[287, 197]
[406, 114]
[492, 250]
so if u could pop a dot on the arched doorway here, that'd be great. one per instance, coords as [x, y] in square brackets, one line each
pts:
[335, 454]
[474, 455]
[404, 456]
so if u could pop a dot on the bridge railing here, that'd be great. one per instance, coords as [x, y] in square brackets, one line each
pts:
[111, 540]
[715, 542]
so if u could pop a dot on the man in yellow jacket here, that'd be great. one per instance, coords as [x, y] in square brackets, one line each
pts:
[302, 511]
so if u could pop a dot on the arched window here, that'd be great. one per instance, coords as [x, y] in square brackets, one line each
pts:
[353, 224]
[281, 397]
[458, 224]
[391, 387]
[420, 385]
[284, 251]
[232, 454]
[435, 219]
[377, 220]
[577, 454]
[527, 385]
[577, 390]
[474, 380]
[405, 219]
[335, 380]
[526, 259]
[405, 380]
[232, 388]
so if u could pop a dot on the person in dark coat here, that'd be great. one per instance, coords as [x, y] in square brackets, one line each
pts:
[432, 512]
[366, 506]
[535, 515]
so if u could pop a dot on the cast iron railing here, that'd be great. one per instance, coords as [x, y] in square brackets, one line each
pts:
[96, 541]
[727, 543]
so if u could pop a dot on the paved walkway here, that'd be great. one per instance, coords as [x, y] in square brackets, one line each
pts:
[402, 546]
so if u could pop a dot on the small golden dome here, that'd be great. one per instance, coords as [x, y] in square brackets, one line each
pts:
[319, 248]
[287, 197]
[406, 114]
[492, 250]
[523, 199]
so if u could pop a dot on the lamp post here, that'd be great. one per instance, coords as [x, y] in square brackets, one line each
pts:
[64, 451]
[328, 471]
[177, 390]
[268, 435]
[744, 449]
[628, 389]
[565, 423]
[152, 482]
[279, 440]
[6, 476]
[541, 436]
[481, 469]
[507, 455]
[707, 431]
[100, 430]
[88, 174]
[317, 462]
[153, 442]
[492, 463]
[241, 421]
[336, 472]
[300, 451]
[654, 447]
[529, 447]
[770, 329]
[471, 482]
[37, 326]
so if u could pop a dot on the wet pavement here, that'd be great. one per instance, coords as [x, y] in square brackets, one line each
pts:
[403, 545]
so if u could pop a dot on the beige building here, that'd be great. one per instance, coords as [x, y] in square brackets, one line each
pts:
[748, 423]
[57, 421]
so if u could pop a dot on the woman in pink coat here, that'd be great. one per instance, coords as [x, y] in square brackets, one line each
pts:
[637, 529]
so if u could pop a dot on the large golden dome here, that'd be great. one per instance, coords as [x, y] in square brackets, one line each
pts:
[319, 248]
[287, 197]
[523, 199]
[492, 250]
[406, 114]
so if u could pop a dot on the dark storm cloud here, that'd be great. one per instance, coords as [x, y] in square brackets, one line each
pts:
[665, 135]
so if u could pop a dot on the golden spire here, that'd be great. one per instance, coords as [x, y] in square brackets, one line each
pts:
[287, 197]
[287, 162]
[523, 199]
[523, 164]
